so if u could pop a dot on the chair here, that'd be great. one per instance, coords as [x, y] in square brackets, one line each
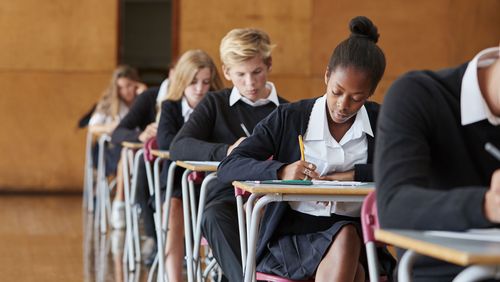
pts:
[369, 223]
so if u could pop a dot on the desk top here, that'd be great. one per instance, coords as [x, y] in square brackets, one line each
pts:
[132, 145]
[256, 188]
[454, 250]
[161, 154]
[198, 165]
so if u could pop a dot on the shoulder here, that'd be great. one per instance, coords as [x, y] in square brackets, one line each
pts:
[216, 98]
[301, 106]
[372, 107]
[149, 95]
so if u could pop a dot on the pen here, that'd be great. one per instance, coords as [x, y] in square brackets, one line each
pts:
[247, 133]
[301, 146]
[492, 150]
[284, 182]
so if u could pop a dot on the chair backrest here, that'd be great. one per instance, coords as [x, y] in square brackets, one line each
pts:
[369, 217]
[149, 145]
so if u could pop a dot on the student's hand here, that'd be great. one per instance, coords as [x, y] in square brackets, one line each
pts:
[149, 132]
[236, 144]
[343, 176]
[298, 170]
[491, 204]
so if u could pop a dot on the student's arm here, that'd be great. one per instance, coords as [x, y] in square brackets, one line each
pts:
[137, 119]
[191, 142]
[250, 160]
[403, 161]
[169, 124]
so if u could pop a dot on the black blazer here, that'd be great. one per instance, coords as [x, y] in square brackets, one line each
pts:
[141, 114]
[277, 136]
[431, 171]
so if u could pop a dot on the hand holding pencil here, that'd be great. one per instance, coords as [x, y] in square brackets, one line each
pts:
[301, 169]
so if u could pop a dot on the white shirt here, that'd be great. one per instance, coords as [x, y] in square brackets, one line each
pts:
[473, 107]
[102, 119]
[162, 93]
[186, 109]
[330, 156]
[273, 97]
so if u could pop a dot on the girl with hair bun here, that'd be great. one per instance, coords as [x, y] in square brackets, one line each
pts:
[302, 240]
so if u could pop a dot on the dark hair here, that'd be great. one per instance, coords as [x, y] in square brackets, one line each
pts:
[360, 51]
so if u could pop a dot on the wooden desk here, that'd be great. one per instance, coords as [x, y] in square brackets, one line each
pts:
[481, 257]
[161, 154]
[132, 145]
[278, 193]
[193, 214]
[154, 191]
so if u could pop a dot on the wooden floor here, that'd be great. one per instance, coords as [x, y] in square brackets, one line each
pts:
[50, 238]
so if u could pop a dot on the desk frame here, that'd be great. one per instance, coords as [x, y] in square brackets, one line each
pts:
[287, 193]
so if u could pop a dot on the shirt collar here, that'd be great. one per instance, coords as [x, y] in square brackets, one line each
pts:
[186, 109]
[318, 123]
[473, 107]
[273, 97]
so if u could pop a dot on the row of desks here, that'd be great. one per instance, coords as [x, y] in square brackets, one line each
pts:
[481, 256]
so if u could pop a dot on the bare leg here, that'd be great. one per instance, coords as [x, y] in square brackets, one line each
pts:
[119, 183]
[341, 262]
[174, 247]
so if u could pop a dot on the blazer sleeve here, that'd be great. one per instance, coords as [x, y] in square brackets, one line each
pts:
[136, 120]
[403, 166]
[191, 141]
[251, 159]
[169, 124]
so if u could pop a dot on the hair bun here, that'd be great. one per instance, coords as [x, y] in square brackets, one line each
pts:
[362, 27]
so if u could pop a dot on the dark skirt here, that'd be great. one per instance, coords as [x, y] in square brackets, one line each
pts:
[301, 242]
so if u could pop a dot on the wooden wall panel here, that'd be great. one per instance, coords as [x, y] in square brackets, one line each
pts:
[41, 146]
[287, 23]
[57, 57]
[414, 35]
[58, 35]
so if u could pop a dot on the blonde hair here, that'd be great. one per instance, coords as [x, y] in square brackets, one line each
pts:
[242, 44]
[186, 69]
[109, 104]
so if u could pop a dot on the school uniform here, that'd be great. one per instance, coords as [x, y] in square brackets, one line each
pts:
[432, 171]
[172, 118]
[295, 236]
[112, 151]
[214, 125]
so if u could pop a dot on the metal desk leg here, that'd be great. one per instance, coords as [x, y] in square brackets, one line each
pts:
[201, 207]
[133, 206]
[406, 265]
[88, 178]
[478, 273]
[254, 227]
[187, 225]
[126, 189]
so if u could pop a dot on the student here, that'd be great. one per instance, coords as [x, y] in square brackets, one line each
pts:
[216, 127]
[114, 104]
[432, 170]
[195, 74]
[140, 125]
[302, 240]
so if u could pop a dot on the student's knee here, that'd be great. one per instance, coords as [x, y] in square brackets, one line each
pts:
[349, 232]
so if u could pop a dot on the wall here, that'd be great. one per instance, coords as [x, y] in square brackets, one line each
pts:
[56, 58]
[414, 35]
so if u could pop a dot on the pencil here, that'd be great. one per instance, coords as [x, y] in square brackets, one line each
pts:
[492, 150]
[301, 146]
[247, 133]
